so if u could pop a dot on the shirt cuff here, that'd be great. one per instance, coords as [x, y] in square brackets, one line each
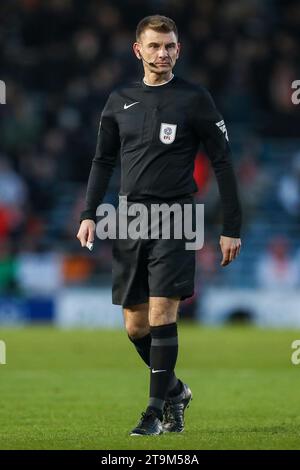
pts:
[88, 214]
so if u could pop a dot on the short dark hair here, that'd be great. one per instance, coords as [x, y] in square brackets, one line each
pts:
[159, 23]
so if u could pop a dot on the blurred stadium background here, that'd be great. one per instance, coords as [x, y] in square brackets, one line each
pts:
[59, 60]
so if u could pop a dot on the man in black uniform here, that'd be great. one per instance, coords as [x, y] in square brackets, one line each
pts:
[157, 124]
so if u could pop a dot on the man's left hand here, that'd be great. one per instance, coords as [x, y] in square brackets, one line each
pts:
[230, 249]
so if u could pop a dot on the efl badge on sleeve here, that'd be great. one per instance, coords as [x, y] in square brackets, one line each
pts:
[167, 133]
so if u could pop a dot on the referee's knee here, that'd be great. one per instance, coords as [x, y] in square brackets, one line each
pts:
[136, 332]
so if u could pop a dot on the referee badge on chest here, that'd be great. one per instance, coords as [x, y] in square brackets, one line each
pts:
[167, 133]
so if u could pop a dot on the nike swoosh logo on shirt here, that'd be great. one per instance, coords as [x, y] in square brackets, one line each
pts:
[154, 371]
[126, 106]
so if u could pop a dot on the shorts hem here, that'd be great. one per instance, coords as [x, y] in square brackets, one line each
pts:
[145, 300]
[128, 303]
[182, 295]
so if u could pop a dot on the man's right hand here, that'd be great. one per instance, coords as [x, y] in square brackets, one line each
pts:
[86, 233]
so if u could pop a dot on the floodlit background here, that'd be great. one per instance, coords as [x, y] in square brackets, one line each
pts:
[59, 60]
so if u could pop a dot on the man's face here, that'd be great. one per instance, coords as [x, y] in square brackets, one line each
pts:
[160, 49]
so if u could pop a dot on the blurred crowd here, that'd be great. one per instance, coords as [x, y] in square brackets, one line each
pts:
[61, 58]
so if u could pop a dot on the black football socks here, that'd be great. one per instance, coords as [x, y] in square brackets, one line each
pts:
[163, 356]
[142, 346]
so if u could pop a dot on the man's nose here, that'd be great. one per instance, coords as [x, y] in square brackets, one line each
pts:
[163, 52]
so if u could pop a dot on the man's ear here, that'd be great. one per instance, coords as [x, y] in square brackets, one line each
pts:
[137, 50]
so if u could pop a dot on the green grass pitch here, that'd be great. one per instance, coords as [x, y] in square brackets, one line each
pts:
[86, 389]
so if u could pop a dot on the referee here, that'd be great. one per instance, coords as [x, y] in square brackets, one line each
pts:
[157, 124]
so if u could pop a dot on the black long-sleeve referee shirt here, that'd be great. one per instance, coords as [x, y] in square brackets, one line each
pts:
[158, 130]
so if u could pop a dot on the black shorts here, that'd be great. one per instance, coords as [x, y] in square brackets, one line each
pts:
[144, 268]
